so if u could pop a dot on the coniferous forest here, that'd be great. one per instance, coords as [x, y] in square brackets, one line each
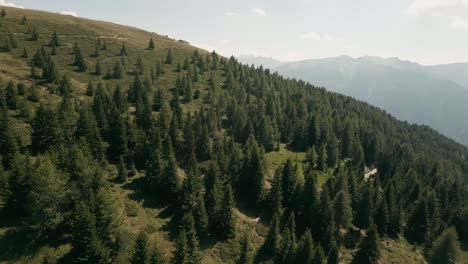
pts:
[132, 147]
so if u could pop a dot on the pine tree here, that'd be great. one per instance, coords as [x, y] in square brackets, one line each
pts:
[181, 255]
[305, 248]
[123, 50]
[272, 242]
[323, 158]
[25, 54]
[310, 205]
[51, 72]
[245, 255]
[288, 243]
[275, 195]
[122, 170]
[368, 252]
[90, 89]
[34, 35]
[38, 59]
[289, 182]
[169, 56]
[23, 20]
[446, 248]
[319, 256]
[343, 210]
[3, 13]
[55, 40]
[139, 253]
[188, 94]
[118, 71]
[227, 222]
[97, 70]
[46, 130]
[157, 256]
[154, 172]
[418, 225]
[151, 45]
[86, 246]
[80, 61]
[11, 96]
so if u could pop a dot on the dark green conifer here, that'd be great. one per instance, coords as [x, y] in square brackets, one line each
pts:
[139, 255]
[151, 45]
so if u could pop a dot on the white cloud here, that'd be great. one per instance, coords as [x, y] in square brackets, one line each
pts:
[315, 36]
[69, 13]
[225, 41]
[459, 23]
[258, 11]
[454, 11]
[230, 14]
[420, 7]
[9, 4]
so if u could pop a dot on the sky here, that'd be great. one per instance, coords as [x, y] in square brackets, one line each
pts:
[424, 31]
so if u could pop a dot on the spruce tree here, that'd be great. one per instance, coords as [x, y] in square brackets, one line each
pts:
[118, 71]
[34, 35]
[369, 251]
[288, 245]
[123, 50]
[227, 222]
[319, 256]
[151, 45]
[80, 61]
[272, 242]
[97, 70]
[86, 246]
[343, 210]
[55, 40]
[446, 248]
[122, 172]
[323, 159]
[139, 255]
[169, 56]
[3, 13]
[181, 255]
[46, 130]
[157, 256]
[305, 248]
[25, 54]
[11, 96]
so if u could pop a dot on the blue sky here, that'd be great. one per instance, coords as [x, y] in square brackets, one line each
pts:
[425, 31]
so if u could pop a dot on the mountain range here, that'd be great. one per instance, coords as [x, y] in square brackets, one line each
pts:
[435, 95]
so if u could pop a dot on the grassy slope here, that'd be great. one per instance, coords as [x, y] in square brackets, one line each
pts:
[135, 210]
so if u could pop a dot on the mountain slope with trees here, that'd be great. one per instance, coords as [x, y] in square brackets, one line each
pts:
[426, 95]
[124, 146]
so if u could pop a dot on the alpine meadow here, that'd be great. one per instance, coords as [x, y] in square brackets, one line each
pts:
[119, 145]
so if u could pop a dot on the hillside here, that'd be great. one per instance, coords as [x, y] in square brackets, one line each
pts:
[166, 153]
[425, 95]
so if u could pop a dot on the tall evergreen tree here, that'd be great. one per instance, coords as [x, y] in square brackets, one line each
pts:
[55, 40]
[169, 56]
[369, 250]
[151, 45]
[446, 248]
[139, 253]
[343, 210]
